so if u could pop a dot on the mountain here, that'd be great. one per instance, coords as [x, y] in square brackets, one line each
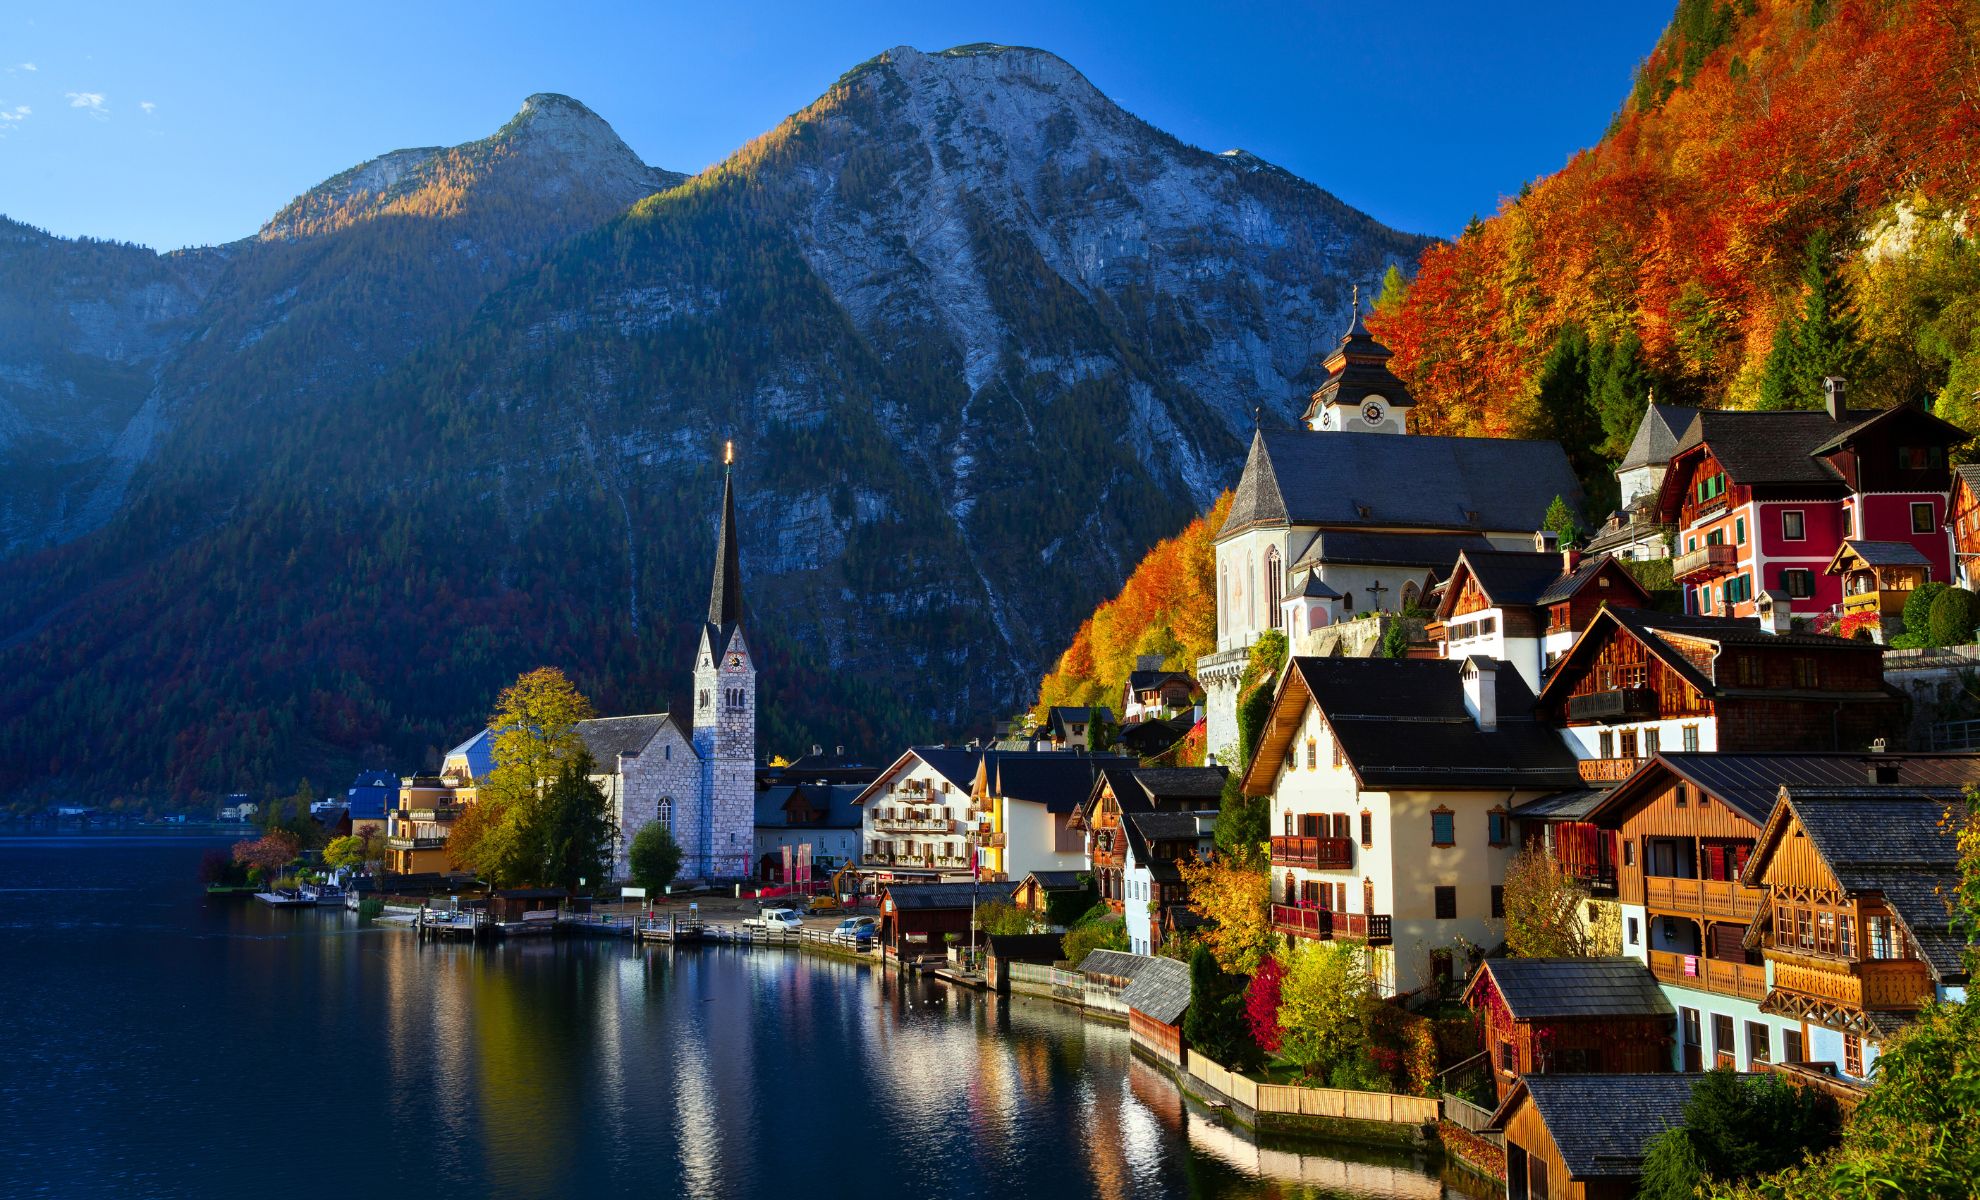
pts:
[980, 336]
[1785, 193]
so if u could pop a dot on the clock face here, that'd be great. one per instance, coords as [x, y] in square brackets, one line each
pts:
[735, 660]
[1374, 411]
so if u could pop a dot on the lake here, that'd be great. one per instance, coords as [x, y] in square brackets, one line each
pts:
[157, 1044]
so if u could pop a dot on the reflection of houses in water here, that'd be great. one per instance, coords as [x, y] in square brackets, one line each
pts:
[1404, 1180]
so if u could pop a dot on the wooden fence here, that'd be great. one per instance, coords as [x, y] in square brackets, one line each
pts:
[1466, 1115]
[1311, 1102]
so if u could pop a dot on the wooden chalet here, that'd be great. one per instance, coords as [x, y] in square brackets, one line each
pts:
[1570, 1016]
[1878, 577]
[1855, 924]
[1157, 999]
[1523, 607]
[1637, 682]
[1582, 1137]
[1123, 788]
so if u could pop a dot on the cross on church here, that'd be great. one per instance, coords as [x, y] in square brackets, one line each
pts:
[1375, 591]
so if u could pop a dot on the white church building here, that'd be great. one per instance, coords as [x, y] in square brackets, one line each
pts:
[1351, 514]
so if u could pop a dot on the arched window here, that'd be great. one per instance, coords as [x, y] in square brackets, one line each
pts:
[1223, 597]
[1274, 591]
[1409, 595]
[665, 813]
[1251, 575]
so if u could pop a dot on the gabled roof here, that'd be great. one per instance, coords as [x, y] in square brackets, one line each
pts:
[1060, 782]
[1536, 989]
[1570, 583]
[1765, 447]
[1891, 840]
[1175, 784]
[1145, 829]
[924, 897]
[1055, 881]
[1750, 784]
[1657, 435]
[1060, 717]
[1948, 433]
[957, 766]
[1661, 633]
[609, 737]
[1159, 990]
[478, 752]
[1879, 554]
[1601, 1124]
[1142, 681]
[1969, 473]
[1403, 723]
[835, 800]
[1302, 477]
[1508, 578]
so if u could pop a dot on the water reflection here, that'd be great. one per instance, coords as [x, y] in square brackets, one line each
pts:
[555, 1068]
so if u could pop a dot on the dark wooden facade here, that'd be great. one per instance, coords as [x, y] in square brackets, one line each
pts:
[1536, 1170]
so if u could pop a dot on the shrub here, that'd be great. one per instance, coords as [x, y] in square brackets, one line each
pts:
[1215, 1023]
[1918, 608]
[654, 857]
[1951, 620]
[1099, 929]
[368, 910]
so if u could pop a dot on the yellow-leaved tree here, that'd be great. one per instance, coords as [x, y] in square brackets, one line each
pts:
[535, 735]
[1234, 899]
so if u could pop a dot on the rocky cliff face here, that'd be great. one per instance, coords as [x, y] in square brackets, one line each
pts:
[980, 336]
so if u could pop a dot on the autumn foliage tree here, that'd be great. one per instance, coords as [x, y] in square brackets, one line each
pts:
[268, 853]
[1543, 908]
[1235, 900]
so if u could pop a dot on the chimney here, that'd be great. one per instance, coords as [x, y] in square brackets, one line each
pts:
[1570, 559]
[1883, 773]
[1776, 611]
[1832, 393]
[839, 750]
[1481, 690]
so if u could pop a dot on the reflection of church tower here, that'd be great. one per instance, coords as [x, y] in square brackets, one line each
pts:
[1361, 394]
[725, 713]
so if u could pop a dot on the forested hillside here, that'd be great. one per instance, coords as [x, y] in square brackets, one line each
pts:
[1786, 192]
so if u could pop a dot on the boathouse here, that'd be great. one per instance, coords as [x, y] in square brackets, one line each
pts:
[1037, 949]
[1156, 1000]
[1581, 1137]
[1570, 1016]
[921, 918]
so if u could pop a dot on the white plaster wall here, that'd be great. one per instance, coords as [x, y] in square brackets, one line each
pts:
[1586, 740]
[895, 794]
[1029, 842]
[667, 768]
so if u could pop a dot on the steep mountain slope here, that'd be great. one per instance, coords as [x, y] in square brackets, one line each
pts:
[981, 338]
[85, 329]
[1776, 158]
[199, 357]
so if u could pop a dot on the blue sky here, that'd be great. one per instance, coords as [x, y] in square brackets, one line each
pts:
[173, 124]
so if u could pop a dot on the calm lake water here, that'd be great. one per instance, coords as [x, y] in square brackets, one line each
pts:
[156, 1044]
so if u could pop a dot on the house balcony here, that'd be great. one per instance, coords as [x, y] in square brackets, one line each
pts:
[1706, 562]
[1599, 880]
[1313, 853]
[993, 840]
[415, 843]
[1885, 603]
[1747, 981]
[915, 824]
[1614, 705]
[1707, 897]
[1606, 770]
[440, 815]
[1881, 984]
[1297, 920]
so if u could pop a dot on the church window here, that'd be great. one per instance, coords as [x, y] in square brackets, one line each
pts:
[1274, 592]
[702, 698]
[665, 813]
[1347, 601]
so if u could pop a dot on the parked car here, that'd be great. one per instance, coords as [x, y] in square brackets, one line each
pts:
[775, 918]
[854, 929]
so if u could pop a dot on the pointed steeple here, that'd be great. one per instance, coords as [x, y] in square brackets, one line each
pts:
[725, 598]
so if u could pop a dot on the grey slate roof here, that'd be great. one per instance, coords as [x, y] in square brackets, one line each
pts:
[1513, 578]
[1657, 435]
[1543, 988]
[945, 896]
[1768, 447]
[1160, 990]
[1601, 1123]
[1316, 588]
[1646, 624]
[1403, 723]
[1751, 783]
[1889, 554]
[834, 799]
[1435, 551]
[1566, 585]
[1970, 472]
[1891, 840]
[1572, 805]
[1304, 477]
[1144, 829]
[1181, 783]
[1054, 881]
[1117, 963]
[1060, 782]
[609, 737]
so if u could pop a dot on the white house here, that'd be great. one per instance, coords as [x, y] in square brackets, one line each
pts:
[1524, 608]
[916, 815]
[1151, 884]
[1392, 783]
[1028, 806]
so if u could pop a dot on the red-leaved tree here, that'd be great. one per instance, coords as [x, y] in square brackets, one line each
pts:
[271, 852]
[1261, 1004]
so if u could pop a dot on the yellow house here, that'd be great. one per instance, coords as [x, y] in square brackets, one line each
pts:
[1025, 805]
[416, 829]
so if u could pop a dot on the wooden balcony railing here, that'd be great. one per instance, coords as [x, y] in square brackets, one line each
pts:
[1747, 981]
[1707, 897]
[1607, 770]
[1889, 603]
[1616, 704]
[1313, 853]
[415, 843]
[1887, 984]
[1297, 920]
[1705, 562]
[915, 824]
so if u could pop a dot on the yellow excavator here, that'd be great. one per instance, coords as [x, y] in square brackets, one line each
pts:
[844, 880]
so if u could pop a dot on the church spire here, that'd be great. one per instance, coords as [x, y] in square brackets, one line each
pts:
[725, 598]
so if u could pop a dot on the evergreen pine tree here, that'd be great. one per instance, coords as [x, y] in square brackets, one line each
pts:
[1566, 403]
[1824, 340]
[1621, 386]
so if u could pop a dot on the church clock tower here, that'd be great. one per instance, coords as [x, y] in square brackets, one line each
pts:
[725, 712]
[1361, 394]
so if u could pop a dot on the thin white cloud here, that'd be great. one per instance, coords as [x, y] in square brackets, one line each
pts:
[147, 106]
[29, 67]
[91, 102]
[20, 112]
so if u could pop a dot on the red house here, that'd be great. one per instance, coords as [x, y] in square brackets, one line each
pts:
[1763, 500]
